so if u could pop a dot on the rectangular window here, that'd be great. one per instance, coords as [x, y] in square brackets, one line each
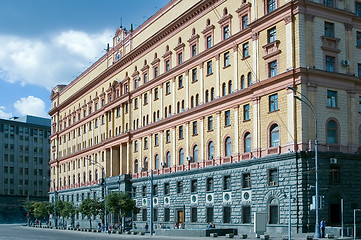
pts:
[194, 50]
[272, 177]
[194, 74]
[359, 70]
[209, 184]
[226, 214]
[209, 41]
[272, 69]
[330, 64]
[328, 3]
[155, 214]
[334, 174]
[246, 180]
[244, 22]
[145, 99]
[145, 76]
[331, 98]
[226, 32]
[195, 129]
[180, 58]
[144, 191]
[135, 146]
[166, 188]
[246, 112]
[209, 67]
[180, 187]
[226, 182]
[167, 88]
[227, 118]
[245, 50]
[246, 214]
[273, 102]
[329, 29]
[155, 72]
[135, 104]
[272, 35]
[180, 81]
[271, 5]
[210, 123]
[166, 214]
[358, 39]
[167, 65]
[194, 214]
[273, 214]
[194, 185]
[144, 214]
[226, 59]
[358, 9]
[167, 134]
[156, 139]
[180, 130]
[156, 94]
[210, 217]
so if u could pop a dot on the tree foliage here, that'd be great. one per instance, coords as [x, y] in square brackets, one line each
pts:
[120, 202]
[91, 208]
[42, 209]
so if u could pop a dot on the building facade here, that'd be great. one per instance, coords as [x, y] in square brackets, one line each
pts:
[198, 95]
[24, 165]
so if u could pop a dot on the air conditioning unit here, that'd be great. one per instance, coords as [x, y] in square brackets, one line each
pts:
[155, 201]
[144, 202]
[210, 198]
[345, 62]
[272, 183]
[247, 195]
[227, 197]
[194, 199]
[166, 200]
[333, 160]
[189, 158]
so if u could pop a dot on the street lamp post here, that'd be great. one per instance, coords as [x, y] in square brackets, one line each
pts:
[310, 105]
[354, 222]
[105, 189]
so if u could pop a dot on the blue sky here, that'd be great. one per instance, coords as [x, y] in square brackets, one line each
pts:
[48, 42]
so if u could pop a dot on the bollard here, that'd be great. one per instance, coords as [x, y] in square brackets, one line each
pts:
[213, 235]
[229, 235]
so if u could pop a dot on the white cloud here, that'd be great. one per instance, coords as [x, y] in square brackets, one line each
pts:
[31, 106]
[48, 62]
[4, 114]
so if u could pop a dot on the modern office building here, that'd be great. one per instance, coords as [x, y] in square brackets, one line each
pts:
[24, 164]
[198, 94]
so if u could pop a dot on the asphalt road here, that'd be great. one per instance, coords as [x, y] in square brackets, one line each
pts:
[18, 232]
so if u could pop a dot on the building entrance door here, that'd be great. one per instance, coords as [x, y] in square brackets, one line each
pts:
[180, 218]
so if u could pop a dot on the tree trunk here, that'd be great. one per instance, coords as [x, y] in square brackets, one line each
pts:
[90, 222]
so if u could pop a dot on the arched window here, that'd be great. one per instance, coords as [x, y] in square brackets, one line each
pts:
[84, 177]
[210, 150]
[332, 137]
[145, 165]
[228, 147]
[197, 99]
[165, 112]
[225, 11]
[96, 176]
[224, 89]
[249, 79]
[207, 96]
[183, 105]
[178, 107]
[136, 166]
[247, 142]
[181, 156]
[195, 153]
[273, 211]
[192, 102]
[168, 159]
[208, 22]
[156, 161]
[78, 178]
[275, 135]
[212, 94]
[90, 176]
[229, 87]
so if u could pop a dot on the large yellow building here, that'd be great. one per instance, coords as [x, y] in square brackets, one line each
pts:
[199, 94]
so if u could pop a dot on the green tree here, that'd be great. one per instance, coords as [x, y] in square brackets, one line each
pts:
[29, 206]
[68, 211]
[58, 207]
[42, 209]
[91, 208]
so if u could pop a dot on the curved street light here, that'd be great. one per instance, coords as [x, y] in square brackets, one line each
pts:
[92, 162]
[307, 101]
